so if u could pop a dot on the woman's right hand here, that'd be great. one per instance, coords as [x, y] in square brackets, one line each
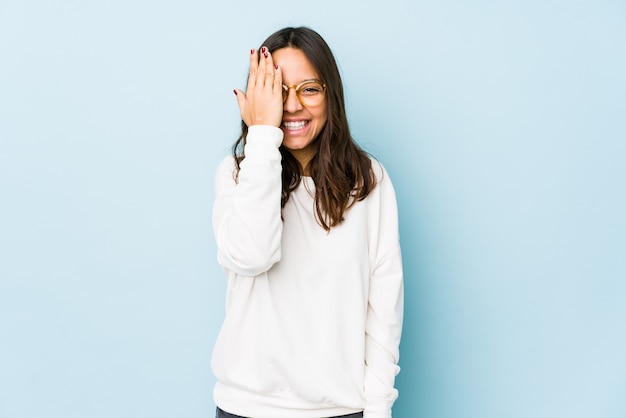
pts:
[262, 103]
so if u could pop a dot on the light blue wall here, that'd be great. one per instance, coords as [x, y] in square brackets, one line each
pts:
[502, 125]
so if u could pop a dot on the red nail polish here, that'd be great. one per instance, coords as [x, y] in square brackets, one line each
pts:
[265, 55]
[252, 51]
[276, 66]
[263, 50]
[235, 91]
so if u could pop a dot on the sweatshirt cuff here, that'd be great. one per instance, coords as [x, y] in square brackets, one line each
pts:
[261, 147]
[379, 408]
[264, 135]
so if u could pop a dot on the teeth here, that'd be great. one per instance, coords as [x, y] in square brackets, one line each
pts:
[295, 125]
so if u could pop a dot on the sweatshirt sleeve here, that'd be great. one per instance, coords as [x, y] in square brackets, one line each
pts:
[247, 213]
[386, 303]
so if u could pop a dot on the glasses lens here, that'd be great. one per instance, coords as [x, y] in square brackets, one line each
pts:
[311, 93]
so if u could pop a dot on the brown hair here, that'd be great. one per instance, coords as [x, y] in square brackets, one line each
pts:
[341, 170]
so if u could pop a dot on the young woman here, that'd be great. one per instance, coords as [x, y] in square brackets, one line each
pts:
[307, 233]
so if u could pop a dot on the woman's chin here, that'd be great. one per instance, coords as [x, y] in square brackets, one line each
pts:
[297, 141]
[295, 144]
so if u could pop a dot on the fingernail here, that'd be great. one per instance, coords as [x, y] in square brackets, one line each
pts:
[265, 55]
[235, 91]
[252, 51]
[276, 66]
[263, 50]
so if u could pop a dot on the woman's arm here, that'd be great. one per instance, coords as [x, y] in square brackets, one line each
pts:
[386, 303]
[247, 214]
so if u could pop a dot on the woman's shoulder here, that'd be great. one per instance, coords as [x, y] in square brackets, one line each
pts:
[380, 173]
[383, 188]
[226, 169]
[228, 163]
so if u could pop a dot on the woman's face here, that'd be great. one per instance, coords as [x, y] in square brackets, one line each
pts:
[301, 124]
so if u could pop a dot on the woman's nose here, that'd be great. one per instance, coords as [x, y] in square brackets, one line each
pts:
[292, 104]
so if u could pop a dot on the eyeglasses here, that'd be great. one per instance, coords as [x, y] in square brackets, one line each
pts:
[309, 92]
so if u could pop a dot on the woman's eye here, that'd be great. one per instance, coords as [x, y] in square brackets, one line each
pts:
[311, 90]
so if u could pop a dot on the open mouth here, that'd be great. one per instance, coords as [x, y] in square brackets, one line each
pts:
[295, 125]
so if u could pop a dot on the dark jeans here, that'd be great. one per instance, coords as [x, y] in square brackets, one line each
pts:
[223, 414]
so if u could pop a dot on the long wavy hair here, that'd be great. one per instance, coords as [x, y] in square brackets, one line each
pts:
[341, 170]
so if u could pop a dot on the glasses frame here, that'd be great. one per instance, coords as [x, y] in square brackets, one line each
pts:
[297, 87]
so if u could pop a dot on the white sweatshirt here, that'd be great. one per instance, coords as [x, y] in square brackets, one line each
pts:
[313, 318]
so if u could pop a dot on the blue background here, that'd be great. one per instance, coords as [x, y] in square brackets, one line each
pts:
[502, 125]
